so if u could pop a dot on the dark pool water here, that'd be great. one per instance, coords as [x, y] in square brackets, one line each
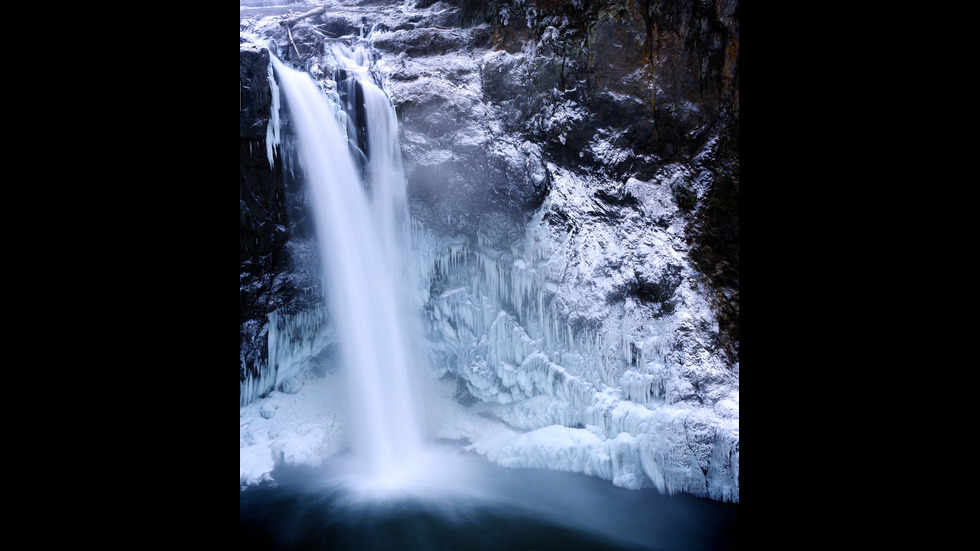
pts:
[487, 508]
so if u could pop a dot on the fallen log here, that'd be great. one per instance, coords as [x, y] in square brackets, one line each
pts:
[290, 21]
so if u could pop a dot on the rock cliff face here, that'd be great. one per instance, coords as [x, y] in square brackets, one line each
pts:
[573, 170]
[277, 257]
[260, 190]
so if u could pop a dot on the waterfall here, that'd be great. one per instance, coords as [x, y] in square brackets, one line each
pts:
[359, 203]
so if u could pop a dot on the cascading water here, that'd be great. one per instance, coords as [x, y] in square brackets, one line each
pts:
[362, 228]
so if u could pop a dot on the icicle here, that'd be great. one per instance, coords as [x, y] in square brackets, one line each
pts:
[638, 387]
[293, 339]
[273, 129]
[254, 387]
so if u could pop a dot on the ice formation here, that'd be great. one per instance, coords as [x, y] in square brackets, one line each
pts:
[597, 398]
[273, 130]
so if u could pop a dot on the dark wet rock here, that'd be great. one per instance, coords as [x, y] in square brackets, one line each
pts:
[260, 186]
[273, 223]
[418, 42]
[256, 97]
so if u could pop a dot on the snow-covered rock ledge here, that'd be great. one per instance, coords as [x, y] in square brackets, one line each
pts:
[301, 428]
[677, 450]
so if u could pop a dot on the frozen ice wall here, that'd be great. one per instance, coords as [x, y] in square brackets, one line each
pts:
[584, 383]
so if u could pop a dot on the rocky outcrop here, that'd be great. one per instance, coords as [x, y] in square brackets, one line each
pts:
[260, 190]
[275, 258]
